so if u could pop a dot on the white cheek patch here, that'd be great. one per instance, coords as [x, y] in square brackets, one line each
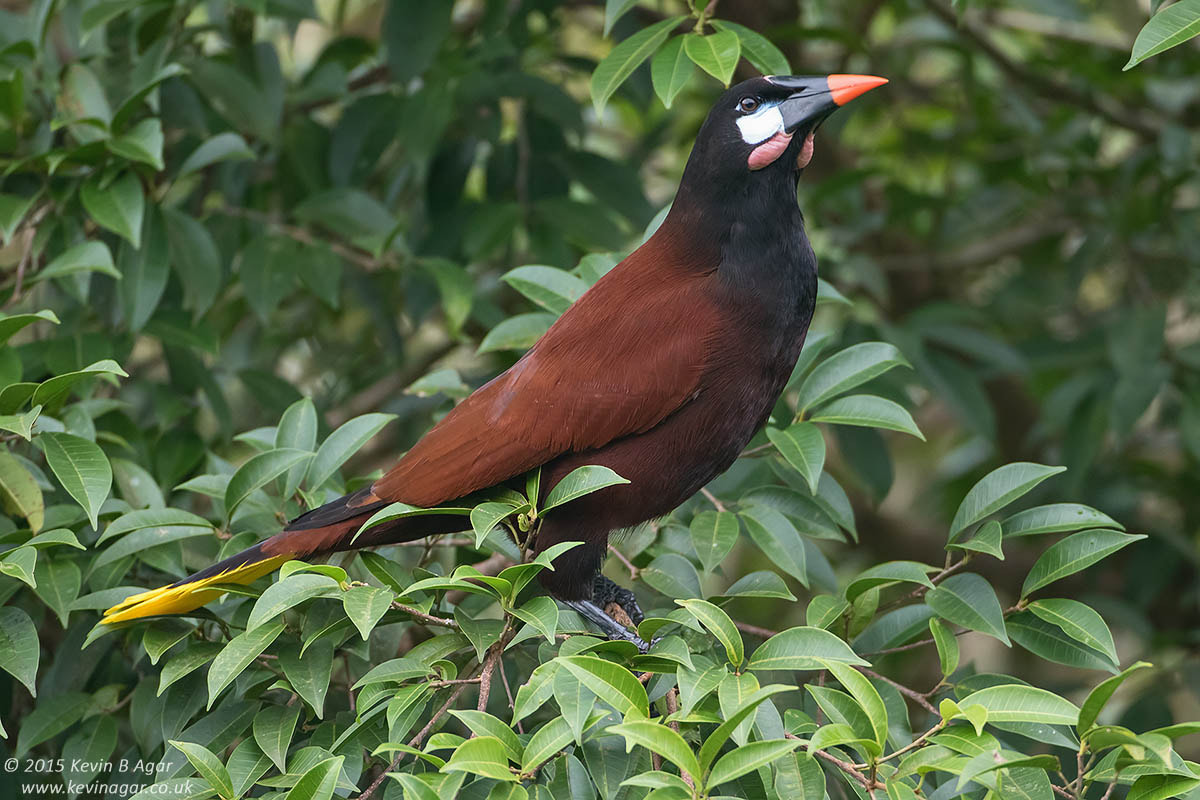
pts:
[761, 126]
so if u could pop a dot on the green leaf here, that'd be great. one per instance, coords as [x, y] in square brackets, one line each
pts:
[82, 469]
[670, 70]
[226, 146]
[486, 516]
[1074, 553]
[717, 53]
[84, 257]
[143, 142]
[13, 209]
[237, 655]
[1016, 703]
[824, 610]
[540, 612]
[287, 593]
[482, 755]
[719, 625]
[195, 656]
[1099, 697]
[482, 723]
[997, 489]
[19, 491]
[208, 767]
[803, 648]
[757, 49]
[579, 482]
[865, 694]
[868, 411]
[627, 56]
[1082, 623]
[318, 782]
[309, 675]
[551, 288]
[987, 539]
[413, 33]
[1055, 518]
[54, 714]
[58, 581]
[969, 600]
[802, 446]
[1161, 787]
[395, 670]
[257, 472]
[1053, 644]
[610, 682]
[517, 332]
[887, 573]
[297, 430]
[9, 325]
[365, 606]
[714, 534]
[1171, 26]
[575, 701]
[658, 738]
[673, 575]
[118, 206]
[344, 442]
[152, 518]
[144, 272]
[614, 10]
[778, 538]
[52, 390]
[843, 371]
[947, 645]
[545, 742]
[19, 647]
[196, 259]
[21, 563]
[748, 758]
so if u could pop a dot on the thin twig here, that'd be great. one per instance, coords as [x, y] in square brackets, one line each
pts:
[414, 742]
[920, 740]
[634, 572]
[355, 255]
[904, 690]
[754, 630]
[485, 683]
[672, 709]
[712, 498]
[1048, 87]
[428, 619]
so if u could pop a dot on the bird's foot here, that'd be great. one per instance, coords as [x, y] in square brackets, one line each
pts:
[607, 625]
[617, 601]
[613, 610]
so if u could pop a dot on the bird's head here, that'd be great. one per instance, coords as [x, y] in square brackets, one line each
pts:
[766, 125]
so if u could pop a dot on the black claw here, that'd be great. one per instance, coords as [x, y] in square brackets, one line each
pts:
[605, 591]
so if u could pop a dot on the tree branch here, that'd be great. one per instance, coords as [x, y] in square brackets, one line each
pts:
[1048, 87]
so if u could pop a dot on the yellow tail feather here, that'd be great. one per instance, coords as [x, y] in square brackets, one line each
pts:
[188, 596]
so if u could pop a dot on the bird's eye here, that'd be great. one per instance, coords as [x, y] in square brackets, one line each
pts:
[748, 105]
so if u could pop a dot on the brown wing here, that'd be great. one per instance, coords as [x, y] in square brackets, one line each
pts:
[621, 359]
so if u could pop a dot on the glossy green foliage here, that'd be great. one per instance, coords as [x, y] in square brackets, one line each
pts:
[250, 252]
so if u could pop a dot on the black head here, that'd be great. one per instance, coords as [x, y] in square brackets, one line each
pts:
[763, 127]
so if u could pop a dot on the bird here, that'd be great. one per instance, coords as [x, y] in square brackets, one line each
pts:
[662, 371]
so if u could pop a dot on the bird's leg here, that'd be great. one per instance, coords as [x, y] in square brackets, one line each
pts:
[605, 593]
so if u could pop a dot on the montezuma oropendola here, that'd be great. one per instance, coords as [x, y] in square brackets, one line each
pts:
[662, 371]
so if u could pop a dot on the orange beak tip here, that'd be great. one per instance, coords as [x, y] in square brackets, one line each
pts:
[844, 88]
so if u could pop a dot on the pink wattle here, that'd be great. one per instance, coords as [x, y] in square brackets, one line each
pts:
[766, 153]
[806, 152]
